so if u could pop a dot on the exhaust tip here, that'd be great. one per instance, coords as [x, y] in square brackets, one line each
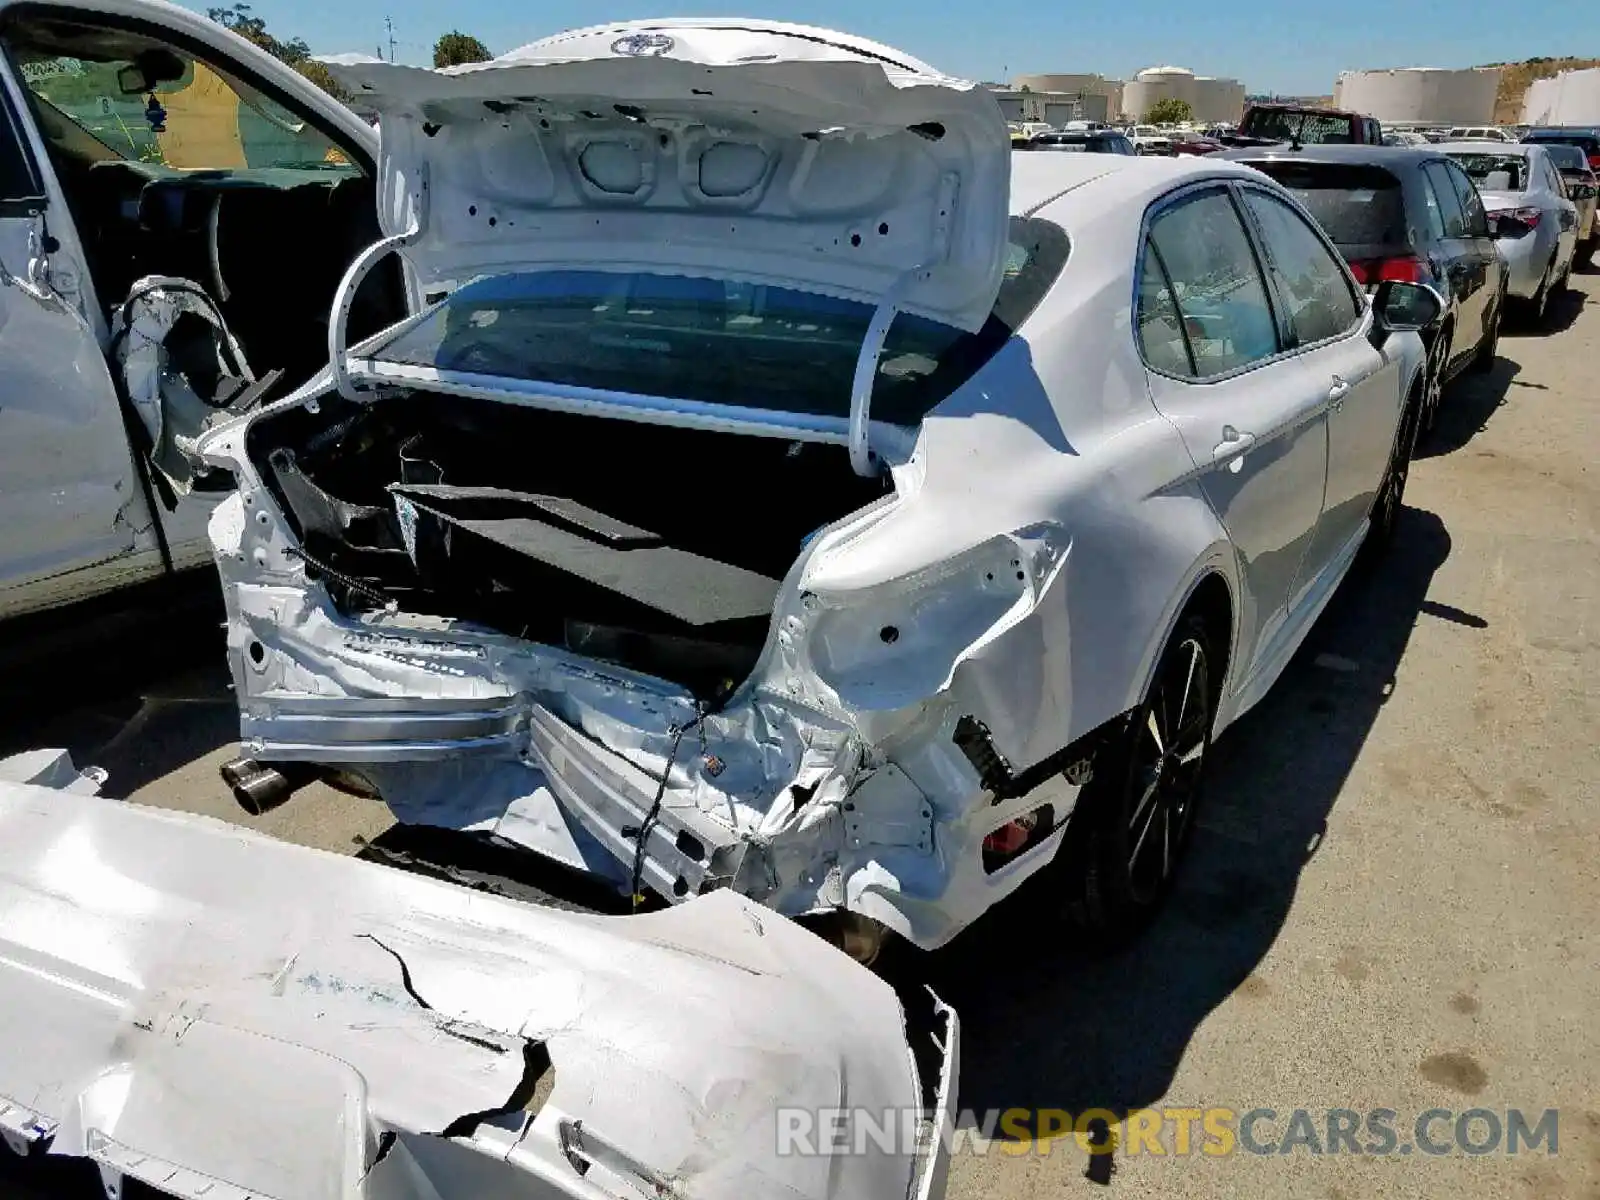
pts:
[257, 788]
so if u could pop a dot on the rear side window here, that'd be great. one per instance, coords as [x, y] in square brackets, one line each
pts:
[1432, 209]
[1311, 281]
[1444, 190]
[1477, 222]
[18, 183]
[1356, 205]
[718, 341]
[1211, 283]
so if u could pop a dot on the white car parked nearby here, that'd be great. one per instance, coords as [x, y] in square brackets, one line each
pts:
[254, 193]
[215, 1013]
[798, 493]
[1148, 139]
[1535, 226]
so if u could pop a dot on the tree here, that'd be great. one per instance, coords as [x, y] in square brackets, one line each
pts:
[455, 48]
[319, 74]
[1170, 111]
[241, 19]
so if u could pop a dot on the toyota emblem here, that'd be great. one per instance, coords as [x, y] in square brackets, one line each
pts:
[642, 45]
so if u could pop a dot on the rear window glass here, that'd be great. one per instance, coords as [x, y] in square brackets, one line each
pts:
[1495, 172]
[1357, 206]
[1567, 158]
[717, 341]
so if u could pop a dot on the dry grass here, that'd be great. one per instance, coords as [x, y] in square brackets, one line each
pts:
[1515, 78]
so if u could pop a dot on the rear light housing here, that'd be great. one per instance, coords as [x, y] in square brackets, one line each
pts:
[1526, 217]
[1402, 268]
[1594, 163]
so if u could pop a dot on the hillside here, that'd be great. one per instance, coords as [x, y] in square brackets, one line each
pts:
[1515, 78]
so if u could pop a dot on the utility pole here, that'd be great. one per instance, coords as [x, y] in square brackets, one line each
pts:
[388, 24]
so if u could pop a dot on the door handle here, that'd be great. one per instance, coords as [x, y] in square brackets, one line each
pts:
[1231, 448]
[1337, 391]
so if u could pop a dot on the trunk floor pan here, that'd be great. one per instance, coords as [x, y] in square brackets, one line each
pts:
[600, 550]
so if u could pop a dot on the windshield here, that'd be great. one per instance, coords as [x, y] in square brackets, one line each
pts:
[1307, 128]
[1495, 172]
[203, 120]
[717, 341]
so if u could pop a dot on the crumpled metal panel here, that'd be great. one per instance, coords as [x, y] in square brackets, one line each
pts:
[217, 1013]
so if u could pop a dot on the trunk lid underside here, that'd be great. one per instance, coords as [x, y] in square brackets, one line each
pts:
[747, 151]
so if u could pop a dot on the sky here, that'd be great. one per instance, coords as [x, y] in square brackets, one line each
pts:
[1286, 48]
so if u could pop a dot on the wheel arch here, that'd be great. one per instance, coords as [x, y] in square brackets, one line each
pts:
[1211, 592]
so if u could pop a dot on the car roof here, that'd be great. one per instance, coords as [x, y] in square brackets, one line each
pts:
[1377, 156]
[1515, 149]
[1041, 180]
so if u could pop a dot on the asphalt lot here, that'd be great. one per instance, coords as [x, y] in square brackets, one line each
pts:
[1391, 900]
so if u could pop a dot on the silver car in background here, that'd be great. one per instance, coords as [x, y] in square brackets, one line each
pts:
[1535, 225]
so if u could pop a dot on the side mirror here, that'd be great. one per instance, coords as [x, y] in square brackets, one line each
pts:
[1398, 307]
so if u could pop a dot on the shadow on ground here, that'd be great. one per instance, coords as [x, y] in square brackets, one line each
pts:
[1468, 404]
[1047, 1026]
[136, 682]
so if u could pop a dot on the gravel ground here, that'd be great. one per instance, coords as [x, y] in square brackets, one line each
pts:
[1391, 899]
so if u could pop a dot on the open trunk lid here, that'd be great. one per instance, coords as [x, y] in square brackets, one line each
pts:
[748, 150]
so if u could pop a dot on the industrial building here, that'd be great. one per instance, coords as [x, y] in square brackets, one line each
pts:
[1057, 99]
[1422, 95]
[1570, 98]
[1208, 99]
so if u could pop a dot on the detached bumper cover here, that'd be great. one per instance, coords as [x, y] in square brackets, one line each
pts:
[218, 1014]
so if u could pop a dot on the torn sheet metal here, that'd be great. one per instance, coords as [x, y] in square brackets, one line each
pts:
[180, 367]
[223, 1015]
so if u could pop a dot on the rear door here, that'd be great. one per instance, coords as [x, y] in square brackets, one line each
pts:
[1483, 277]
[68, 495]
[1465, 270]
[1251, 415]
[1327, 319]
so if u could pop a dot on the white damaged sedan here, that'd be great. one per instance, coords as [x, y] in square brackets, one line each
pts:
[784, 488]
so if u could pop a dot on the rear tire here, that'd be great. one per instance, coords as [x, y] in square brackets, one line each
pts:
[1433, 381]
[1135, 816]
[1386, 505]
[1538, 308]
[1488, 349]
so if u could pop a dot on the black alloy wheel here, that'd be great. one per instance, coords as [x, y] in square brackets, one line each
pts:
[1387, 503]
[1168, 754]
[1135, 816]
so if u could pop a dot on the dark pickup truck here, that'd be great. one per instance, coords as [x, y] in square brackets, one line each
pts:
[1274, 124]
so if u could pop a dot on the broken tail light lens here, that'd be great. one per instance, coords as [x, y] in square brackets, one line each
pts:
[1527, 217]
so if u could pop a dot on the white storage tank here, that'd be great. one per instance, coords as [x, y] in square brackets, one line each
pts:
[1217, 99]
[1425, 95]
[1208, 99]
[1570, 98]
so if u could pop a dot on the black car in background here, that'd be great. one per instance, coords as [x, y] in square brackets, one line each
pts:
[1583, 189]
[1585, 137]
[1409, 214]
[1086, 141]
